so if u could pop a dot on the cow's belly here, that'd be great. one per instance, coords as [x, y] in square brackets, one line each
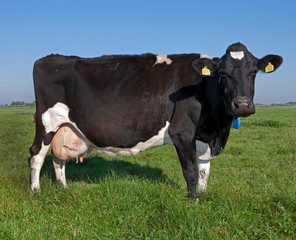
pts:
[160, 139]
[69, 142]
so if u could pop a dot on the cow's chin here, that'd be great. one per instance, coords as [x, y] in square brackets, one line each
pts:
[244, 114]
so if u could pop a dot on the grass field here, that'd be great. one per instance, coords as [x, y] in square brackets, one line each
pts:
[251, 191]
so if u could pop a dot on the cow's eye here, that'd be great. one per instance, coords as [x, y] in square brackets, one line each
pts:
[253, 74]
[224, 75]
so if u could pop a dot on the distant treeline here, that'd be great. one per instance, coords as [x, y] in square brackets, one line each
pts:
[23, 104]
[291, 103]
[276, 104]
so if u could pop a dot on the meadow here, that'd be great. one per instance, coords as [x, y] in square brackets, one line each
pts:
[251, 191]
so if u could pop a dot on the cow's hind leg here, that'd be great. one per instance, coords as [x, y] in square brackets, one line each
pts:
[60, 171]
[38, 152]
[36, 164]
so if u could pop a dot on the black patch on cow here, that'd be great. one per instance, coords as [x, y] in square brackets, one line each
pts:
[48, 137]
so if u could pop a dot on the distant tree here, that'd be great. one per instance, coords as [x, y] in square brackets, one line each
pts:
[291, 103]
[17, 104]
[23, 104]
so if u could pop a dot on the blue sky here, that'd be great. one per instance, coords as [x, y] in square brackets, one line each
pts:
[30, 30]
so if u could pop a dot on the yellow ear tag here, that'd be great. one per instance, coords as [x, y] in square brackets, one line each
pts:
[269, 67]
[205, 71]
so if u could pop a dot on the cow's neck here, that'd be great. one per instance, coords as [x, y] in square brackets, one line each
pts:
[218, 111]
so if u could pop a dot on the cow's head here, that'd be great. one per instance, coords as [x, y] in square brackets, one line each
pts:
[236, 72]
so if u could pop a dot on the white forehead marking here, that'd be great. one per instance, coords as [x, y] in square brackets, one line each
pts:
[162, 59]
[206, 56]
[237, 55]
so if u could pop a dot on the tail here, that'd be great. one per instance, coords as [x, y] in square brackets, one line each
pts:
[34, 118]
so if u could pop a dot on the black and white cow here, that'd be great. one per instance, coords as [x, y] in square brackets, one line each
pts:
[122, 105]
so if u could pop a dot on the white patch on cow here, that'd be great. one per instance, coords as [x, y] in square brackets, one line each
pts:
[56, 116]
[203, 151]
[206, 56]
[160, 139]
[163, 59]
[237, 55]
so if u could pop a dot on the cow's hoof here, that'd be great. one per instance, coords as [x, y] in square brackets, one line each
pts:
[35, 188]
[61, 184]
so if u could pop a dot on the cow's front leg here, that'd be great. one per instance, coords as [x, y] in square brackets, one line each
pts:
[203, 175]
[59, 168]
[187, 156]
[189, 167]
[204, 157]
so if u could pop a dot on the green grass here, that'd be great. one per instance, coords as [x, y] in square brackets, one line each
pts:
[251, 191]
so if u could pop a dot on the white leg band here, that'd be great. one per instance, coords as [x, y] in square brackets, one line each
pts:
[203, 174]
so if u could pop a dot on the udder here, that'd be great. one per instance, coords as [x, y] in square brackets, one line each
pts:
[68, 143]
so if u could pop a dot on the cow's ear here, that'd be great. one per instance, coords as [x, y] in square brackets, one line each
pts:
[205, 67]
[269, 63]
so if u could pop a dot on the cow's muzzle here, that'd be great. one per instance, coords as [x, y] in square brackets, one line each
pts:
[243, 107]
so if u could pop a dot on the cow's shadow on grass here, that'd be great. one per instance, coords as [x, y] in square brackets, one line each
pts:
[95, 168]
